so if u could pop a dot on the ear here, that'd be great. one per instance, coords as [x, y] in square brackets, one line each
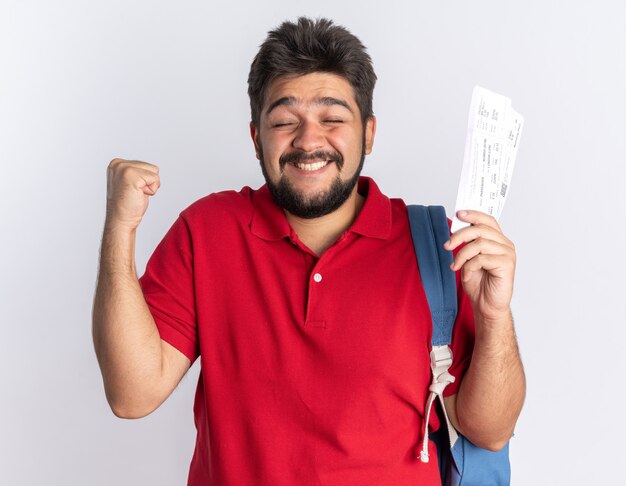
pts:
[370, 132]
[254, 133]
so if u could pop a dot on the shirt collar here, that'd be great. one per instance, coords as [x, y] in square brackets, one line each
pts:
[268, 220]
[374, 220]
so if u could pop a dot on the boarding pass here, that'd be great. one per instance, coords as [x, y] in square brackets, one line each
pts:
[493, 134]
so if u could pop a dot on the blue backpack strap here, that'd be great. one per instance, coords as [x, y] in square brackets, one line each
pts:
[429, 229]
[463, 464]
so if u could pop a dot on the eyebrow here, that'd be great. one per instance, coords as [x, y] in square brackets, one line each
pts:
[324, 101]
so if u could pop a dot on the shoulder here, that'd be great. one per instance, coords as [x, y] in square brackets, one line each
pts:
[402, 207]
[399, 214]
[220, 207]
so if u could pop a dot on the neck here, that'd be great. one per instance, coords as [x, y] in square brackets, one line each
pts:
[318, 234]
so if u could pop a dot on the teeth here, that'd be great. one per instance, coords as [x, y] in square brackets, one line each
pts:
[314, 166]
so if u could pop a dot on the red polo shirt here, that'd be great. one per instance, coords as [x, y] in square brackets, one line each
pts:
[314, 370]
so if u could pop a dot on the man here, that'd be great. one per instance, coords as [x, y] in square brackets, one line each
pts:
[303, 298]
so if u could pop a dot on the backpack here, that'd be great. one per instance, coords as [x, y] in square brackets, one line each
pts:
[461, 463]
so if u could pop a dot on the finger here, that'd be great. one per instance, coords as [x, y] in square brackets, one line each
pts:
[152, 188]
[493, 264]
[144, 179]
[478, 217]
[479, 246]
[121, 163]
[471, 233]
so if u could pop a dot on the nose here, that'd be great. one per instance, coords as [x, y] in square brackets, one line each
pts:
[308, 137]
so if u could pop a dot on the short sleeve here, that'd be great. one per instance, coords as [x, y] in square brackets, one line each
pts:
[462, 338]
[168, 288]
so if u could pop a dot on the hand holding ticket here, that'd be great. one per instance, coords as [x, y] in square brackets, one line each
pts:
[493, 132]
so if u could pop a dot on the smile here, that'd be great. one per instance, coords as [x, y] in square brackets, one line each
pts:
[313, 166]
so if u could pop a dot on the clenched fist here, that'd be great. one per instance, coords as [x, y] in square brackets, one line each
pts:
[129, 185]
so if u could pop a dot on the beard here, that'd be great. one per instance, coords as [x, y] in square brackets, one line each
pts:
[289, 199]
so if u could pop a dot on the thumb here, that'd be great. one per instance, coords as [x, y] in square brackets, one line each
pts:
[151, 189]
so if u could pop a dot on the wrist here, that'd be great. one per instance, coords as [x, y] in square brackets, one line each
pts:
[117, 252]
[493, 326]
[116, 227]
[495, 336]
[494, 318]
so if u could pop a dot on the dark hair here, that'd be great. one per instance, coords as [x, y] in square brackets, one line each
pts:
[308, 47]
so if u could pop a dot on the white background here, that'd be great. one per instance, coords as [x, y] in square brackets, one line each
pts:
[83, 82]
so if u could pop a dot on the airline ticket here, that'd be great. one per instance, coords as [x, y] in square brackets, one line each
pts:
[493, 134]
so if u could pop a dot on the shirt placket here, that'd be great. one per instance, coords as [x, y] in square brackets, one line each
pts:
[315, 318]
[319, 278]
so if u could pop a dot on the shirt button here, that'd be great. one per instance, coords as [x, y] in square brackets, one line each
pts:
[317, 277]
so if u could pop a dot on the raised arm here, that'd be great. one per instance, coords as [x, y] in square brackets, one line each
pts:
[139, 370]
[490, 397]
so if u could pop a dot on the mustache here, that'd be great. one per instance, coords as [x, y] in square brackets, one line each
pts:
[300, 156]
